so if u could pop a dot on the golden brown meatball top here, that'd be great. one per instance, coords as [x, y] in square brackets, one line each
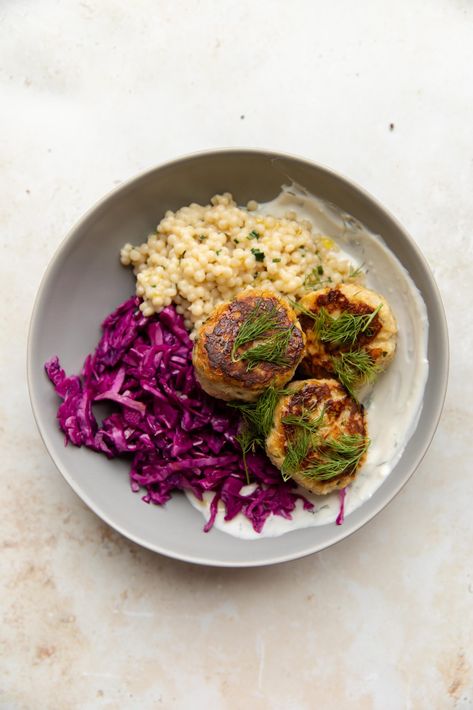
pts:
[328, 425]
[224, 361]
[369, 331]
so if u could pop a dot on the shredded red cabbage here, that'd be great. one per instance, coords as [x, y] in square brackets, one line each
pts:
[175, 436]
[341, 513]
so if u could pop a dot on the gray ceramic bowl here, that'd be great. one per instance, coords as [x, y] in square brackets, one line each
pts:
[85, 281]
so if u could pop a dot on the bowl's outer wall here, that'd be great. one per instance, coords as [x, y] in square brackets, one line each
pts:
[85, 281]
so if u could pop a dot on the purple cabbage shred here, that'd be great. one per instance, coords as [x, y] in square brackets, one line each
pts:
[174, 435]
[341, 513]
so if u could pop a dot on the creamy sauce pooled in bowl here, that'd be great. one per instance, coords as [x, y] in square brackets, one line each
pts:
[393, 405]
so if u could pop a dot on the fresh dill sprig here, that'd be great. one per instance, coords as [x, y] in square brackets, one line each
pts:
[355, 273]
[257, 421]
[249, 412]
[302, 441]
[265, 406]
[258, 323]
[259, 415]
[272, 350]
[337, 456]
[344, 329]
[304, 420]
[248, 442]
[305, 311]
[296, 451]
[354, 368]
[328, 457]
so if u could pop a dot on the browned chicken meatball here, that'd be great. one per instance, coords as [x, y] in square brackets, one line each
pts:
[248, 344]
[319, 436]
[350, 332]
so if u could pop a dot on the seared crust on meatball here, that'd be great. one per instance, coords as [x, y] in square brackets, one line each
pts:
[335, 415]
[226, 374]
[378, 340]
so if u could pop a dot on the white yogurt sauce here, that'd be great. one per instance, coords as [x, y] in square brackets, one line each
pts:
[393, 405]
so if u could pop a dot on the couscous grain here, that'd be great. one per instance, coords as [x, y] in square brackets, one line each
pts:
[202, 255]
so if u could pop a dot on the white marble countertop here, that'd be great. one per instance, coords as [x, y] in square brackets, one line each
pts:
[93, 92]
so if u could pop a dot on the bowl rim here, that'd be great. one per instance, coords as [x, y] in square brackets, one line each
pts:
[442, 380]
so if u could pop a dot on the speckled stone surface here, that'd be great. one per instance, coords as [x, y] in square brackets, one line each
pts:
[94, 92]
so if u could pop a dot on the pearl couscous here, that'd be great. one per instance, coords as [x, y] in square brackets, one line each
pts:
[202, 255]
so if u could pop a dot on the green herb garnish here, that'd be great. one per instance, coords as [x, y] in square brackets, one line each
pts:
[272, 350]
[258, 323]
[259, 255]
[344, 329]
[259, 415]
[248, 442]
[329, 457]
[218, 252]
[257, 421]
[354, 368]
[354, 273]
[302, 441]
[202, 238]
[253, 234]
[276, 261]
[304, 420]
[296, 452]
[336, 456]
[299, 307]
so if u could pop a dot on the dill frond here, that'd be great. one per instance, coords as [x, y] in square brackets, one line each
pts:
[272, 350]
[296, 451]
[258, 324]
[259, 415]
[305, 311]
[354, 368]
[248, 442]
[257, 421]
[302, 441]
[344, 329]
[355, 273]
[336, 456]
[304, 420]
